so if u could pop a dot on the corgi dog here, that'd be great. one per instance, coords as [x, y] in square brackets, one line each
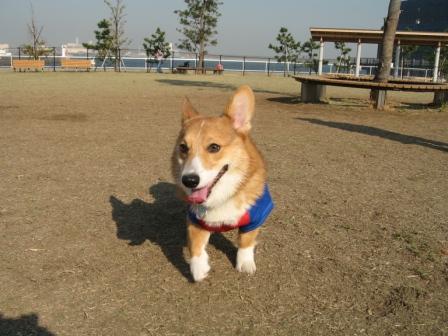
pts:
[222, 177]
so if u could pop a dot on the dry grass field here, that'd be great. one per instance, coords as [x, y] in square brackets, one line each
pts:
[92, 237]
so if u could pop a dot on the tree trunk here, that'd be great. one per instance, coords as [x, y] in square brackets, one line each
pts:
[440, 98]
[201, 40]
[201, 58]
[402, 65]
[284, 64]
[35, 49]
[390, 28]
[117, 26]
[388, 41]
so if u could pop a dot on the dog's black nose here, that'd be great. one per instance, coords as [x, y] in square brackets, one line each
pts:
[190, 181]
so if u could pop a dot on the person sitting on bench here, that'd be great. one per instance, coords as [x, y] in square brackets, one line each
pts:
[219, 68]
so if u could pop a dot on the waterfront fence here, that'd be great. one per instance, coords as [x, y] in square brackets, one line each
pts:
[137, 60]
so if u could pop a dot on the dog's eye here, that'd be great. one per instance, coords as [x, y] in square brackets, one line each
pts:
[183, 148]
[213, 148]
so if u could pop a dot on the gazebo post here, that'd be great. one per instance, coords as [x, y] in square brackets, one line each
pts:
[358, 59]
[321, 56]
[397, 59]
[436, 64]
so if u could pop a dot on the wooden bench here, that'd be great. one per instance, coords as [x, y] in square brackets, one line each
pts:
[184, 70]
[76, 64]
[314, 88]
[28, 65]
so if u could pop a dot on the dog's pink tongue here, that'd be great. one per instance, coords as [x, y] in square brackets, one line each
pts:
[198, 196]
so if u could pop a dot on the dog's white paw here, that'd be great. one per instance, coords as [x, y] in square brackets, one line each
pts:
[199, 267]
[245, 260]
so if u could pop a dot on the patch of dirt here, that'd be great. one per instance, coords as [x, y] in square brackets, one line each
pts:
[76, 117]
[8, 107]
[401, 298]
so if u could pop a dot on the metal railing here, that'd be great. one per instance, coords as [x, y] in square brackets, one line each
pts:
[137, 60]
[370, 70]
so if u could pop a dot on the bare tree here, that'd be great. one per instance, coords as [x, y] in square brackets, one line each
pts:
[37, 47]
[118, 21]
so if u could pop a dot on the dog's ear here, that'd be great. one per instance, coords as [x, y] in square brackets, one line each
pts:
[188, 111]
[241, 109]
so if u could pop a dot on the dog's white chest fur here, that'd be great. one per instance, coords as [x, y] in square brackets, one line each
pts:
[226, 214]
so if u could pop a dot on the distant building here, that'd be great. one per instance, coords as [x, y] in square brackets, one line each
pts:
[4, 49]
[73, 48]
[424, 15]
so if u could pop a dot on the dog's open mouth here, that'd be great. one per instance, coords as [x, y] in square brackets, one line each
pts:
[200, 195]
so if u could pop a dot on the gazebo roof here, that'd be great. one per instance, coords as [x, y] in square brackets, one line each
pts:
[376, 36]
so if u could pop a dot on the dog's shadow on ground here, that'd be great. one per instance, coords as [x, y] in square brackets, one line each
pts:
[162, 222]
[23, 325]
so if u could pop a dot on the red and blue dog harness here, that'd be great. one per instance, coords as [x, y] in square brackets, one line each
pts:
[251, 220]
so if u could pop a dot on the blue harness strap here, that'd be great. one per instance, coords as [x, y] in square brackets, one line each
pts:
[259, 212]
[251, 220]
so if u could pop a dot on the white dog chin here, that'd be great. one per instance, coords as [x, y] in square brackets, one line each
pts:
[223, 190]
[220, 206]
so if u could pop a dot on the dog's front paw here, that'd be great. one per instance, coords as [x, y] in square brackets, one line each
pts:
[199, 267]
[245, 260]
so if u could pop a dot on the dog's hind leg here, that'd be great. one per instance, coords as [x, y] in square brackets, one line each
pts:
[245, 261]
[197, 241]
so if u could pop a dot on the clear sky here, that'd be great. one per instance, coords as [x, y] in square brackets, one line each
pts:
[246, 27]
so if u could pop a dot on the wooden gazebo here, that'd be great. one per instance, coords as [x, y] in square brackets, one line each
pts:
[360, 36]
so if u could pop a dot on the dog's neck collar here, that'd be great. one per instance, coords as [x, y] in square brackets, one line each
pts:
[200, 210]
[250, 220]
